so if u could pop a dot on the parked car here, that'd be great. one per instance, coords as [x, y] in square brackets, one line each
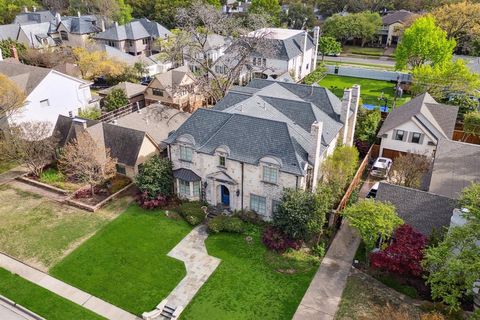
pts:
[373, 191]
[381, 167]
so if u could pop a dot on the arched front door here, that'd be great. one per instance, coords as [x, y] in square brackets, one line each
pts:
[225, 193]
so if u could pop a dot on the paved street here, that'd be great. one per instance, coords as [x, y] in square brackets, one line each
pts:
[9, 312]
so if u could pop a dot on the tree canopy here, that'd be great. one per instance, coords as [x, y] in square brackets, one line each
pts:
[362, 25]
[96, 63]
[12, 98]
[298, 16]
[115, 99]
[270, 8]
[156, 177]
[328, 45]
[424, 42]
[9, 9]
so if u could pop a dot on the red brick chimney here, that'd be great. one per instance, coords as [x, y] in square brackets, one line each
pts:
[14, 53]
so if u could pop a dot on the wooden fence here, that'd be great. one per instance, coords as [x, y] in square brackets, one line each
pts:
[122, 111]
[458, 135]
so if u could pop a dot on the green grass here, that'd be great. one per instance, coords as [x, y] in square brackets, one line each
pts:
[359, 64]
[391, 282]
[40, 300]
[370, 90]
[55, 178]
[5, 166]
[364, 50]
[125, 263]
[40, 232]
[250, 283]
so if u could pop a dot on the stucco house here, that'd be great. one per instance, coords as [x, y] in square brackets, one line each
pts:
[49, 93]
[292, 51]
[75, 31]
[130, 147]
[136, 37]
[175, 88]
[393, 24]
[257, 141]
[417, 126]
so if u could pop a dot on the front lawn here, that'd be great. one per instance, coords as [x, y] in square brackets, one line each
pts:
[126, 262]
[250, 282]
[40, 300]
[370, 90]
[368, 51]
[40, 231]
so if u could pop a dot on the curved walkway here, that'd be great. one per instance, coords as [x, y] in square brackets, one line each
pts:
[64, 290]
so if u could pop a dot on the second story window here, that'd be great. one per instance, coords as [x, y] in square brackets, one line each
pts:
[64, 35]
[399, 135]
[221, 161]
[416, 137]
[145, 41]
[157, 92]
[186, 153]
[111, 43]
[264, 62]
[270, 174]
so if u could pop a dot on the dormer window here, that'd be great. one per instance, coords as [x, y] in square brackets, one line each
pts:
[270, 174]
[221, 161]
[186, 153]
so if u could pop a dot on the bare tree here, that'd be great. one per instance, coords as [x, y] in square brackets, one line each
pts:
[84, 160]
[12, 97]
[29, 143]
[201, 27]
[409, 169]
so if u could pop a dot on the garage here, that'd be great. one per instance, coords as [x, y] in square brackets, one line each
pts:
[392, 154]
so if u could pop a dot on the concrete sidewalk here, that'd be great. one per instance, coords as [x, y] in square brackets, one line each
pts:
[323, 296]
[62, 289]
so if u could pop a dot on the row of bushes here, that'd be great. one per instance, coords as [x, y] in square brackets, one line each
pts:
[227, 224]
[192, 212]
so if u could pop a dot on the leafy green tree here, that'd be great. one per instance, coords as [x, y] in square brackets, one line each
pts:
[6, 46]
[367, 124]
[298, 16]
[268, 7]
[424, 42]
[299, 215]
[156, 177]
[362, 25]
[91, 113]
[441, 80]
[470, 199]
[471, 124]
[317, 75]
[116, 10]
[465, 104]
[372, 219]
[10, 8]
[124, 13]
[328, 45]
[115, 99]
[164, 11]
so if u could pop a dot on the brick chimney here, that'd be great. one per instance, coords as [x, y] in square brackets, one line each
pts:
[314, 154]
[58, 18]
[353, 119]
[345, 113]
[14, 53]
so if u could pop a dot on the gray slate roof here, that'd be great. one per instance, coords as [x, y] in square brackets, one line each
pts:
[286, 49]
[81, 25]
[402, 16]
[9, 31]
[34, 17]
[134, 30]
[424, 211]
[456, 166]
[186, 175]
[438, 119]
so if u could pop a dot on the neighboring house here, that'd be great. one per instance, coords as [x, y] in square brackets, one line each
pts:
[33, 17]
[257, 141]
[393, 24]
[292, 51]
[175, 88]
[136, 37]
[234, 6]
[157, 120]
[456, 166]
[424, 211]
[76, 31]
[32, 35]
[49, 92]
[214, 48]
[417, 126]
[135, 92]
[130, 147]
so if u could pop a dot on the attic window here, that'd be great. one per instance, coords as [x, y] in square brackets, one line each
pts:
[157, 92]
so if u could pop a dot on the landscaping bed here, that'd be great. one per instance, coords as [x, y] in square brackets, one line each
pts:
[126, 262]
[251, 282]
[39, 300]
[52, 179]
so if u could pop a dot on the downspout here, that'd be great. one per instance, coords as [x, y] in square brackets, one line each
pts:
[241, 186]
[296, 182]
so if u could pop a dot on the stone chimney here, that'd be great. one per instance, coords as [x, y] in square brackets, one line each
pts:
[102, 25]
[80, 123]
[116, 23]
[316, 37]
[58, 18]
[79, 14]
[1, 55]
[34, 9]
[345, 113]
[353, 119]
[25, 9]
[14, 52]
[314, 154]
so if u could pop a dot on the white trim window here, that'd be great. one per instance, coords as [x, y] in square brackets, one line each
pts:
[400, 135]
[196, 188]
[258, 204]
[186, 153]
[183, 187]
[416, 136]
[270, 174]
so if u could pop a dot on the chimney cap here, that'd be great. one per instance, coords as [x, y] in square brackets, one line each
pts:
[78, 13]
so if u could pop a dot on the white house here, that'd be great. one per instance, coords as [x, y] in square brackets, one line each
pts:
[213, 48]
[257, 141]
[49, 92]
[293, 52]
[417, 127]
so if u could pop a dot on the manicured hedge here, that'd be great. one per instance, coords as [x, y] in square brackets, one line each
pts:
[227, 224]
[192, 212]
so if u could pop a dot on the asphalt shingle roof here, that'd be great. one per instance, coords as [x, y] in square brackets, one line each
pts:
[33, 17]
[424, 211]
[81, 25]
[26, 77]
[134, 30]
[289, 47]
[402, 16]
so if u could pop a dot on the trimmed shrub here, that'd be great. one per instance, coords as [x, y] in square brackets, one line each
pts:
[275, 240]
[250, 217]
[319, 250]
[146, 202]
[192, 212]
[226, 224]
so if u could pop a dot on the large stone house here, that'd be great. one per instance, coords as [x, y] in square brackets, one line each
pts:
[136, 37]
[75, 31]
[257, 141]
[417, 126]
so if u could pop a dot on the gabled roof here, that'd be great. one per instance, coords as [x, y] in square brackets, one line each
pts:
[134, 30]
[401, 16]
[38, 31]
[456, 166]
[9, 31]
[33, 17]
[424, 211]
[173, 78]
[130, 89]
[438, 119]
[81, 24]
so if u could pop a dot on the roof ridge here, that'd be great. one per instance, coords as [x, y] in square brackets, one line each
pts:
[415, 190]
[217, 131]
